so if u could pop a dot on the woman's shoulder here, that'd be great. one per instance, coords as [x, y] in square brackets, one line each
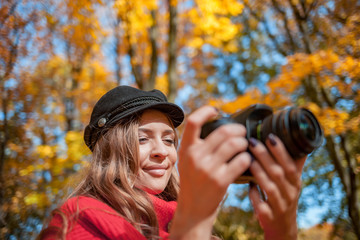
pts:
[82, 203]
[91, 217]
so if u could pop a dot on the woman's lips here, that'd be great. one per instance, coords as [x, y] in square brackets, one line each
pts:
[155, 171]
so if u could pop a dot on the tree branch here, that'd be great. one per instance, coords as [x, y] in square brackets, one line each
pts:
[10, 13]
[286, 25]
[267, 30]
[172, 45]
[334, 152]
[117, 51]
[135, 68]
[150, 83]
[352, 196]
[299, 19]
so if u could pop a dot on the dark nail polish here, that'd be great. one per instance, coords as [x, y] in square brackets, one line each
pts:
[216, 109]
[272, 140]
[253, 142]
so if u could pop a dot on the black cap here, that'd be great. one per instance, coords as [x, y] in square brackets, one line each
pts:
[122, 102]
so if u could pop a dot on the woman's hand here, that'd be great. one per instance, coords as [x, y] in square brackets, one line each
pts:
[278, 175]
[206, 172]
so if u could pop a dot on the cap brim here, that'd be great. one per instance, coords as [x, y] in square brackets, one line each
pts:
[174, 112]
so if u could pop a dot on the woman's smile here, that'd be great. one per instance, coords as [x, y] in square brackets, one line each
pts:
[156, 170]
[157, 151]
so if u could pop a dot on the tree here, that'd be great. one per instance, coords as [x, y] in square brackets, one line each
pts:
[145, 32]
[59, 57]
[43, 93]
[15, 25]
[319, 41]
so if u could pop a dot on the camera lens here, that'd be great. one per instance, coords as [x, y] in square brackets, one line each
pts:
[307, 127]
[297, 128]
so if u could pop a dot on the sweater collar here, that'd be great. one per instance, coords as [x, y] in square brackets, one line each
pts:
[164, 211]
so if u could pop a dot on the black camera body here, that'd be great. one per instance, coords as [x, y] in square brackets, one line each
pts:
[297, 128]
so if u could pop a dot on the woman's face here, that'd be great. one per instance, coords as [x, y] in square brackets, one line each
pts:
[157, 152]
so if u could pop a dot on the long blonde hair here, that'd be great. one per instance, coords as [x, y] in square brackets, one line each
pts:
[111, 177]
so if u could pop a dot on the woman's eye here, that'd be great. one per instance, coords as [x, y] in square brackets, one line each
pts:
[142, 139]
[170, 141]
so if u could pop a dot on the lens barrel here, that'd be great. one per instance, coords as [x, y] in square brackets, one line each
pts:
[298, 129]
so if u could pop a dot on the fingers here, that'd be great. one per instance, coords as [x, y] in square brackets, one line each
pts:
[226, 141]
[237, 166]
[273, 192]
[195, 121]
[282, 156]
[278, 175]
[261, 209]
[210, 156]
[271, 176]
[222, 144]
[275, 171]
[225, 162]
[226, 146]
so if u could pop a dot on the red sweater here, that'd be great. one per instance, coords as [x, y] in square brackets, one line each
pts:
[97, 220]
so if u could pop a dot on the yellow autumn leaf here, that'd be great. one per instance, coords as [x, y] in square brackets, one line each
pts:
[353, 124]
[162, 83]
[150, 4]
[14, 205]
[196, 42]
[76, 148]
[213, 25]
[215, 103]
[57, 169]
[357, 157]
[60, 160]
[15, 147]
[231, 47]
[333, 121]
[71, 136]
[23, 172]
[31, 198]
[46, 151]
[39, 199]
[253, 96]
[314, 108]
[234, 7]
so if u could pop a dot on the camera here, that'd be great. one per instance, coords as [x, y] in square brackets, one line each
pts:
[298, 129]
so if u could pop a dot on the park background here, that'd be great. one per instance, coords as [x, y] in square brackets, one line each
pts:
[58, 57]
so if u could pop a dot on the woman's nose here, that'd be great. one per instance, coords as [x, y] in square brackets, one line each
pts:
[159, 150]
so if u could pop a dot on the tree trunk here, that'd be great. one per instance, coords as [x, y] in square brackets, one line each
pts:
[171, 72]
[117, 53]
[150, 83]
[3, 142]
[298, 40]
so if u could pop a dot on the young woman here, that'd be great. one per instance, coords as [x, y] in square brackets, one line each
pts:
[131, 189]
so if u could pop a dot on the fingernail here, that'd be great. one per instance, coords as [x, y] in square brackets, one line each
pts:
[216, 109]
[253, 142]
[272, 140]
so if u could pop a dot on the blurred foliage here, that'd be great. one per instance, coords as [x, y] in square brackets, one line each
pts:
[58, 57]
[324, 232]
[234, 223]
